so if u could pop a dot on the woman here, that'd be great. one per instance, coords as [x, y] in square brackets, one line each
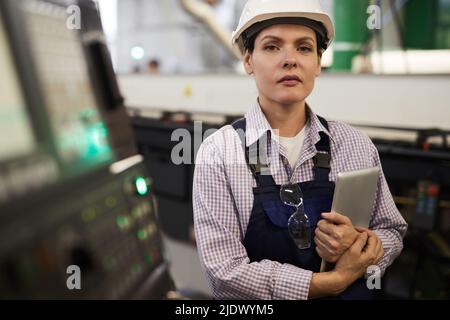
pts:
[242, 226]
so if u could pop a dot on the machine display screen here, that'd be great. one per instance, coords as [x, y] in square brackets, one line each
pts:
[16, 133]
[80, 134]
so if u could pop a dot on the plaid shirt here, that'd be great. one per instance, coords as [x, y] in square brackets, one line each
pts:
[223, 200]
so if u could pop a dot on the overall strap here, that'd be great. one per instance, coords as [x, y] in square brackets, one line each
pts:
[261, 179]
[323, 157]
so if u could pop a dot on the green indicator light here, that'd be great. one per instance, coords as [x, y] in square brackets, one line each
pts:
[122, 222]
[142, 234]
[141, 186]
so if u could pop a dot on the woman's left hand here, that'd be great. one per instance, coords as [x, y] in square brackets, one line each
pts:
[334, 234]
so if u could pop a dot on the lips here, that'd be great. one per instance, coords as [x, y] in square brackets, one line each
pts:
[290, 79]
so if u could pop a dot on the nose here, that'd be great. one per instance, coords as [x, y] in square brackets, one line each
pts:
[289, 60]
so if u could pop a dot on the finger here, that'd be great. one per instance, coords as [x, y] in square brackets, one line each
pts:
[326, 227]
[376, 249]
[371, 243]
[374, 236]
[361, 229]
[360, 242]
[379, 256]
[336, 218]
[325, 238]
[380, 250]
[324, 247]
[375, 253]
[324, 253]
[378, 245]
[320, 252]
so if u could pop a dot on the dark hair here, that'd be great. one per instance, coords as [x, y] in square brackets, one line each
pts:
[153, 63]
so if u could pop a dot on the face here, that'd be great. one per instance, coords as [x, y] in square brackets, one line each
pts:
[284, 63]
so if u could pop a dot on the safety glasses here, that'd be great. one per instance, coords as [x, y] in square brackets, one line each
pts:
[298, 224]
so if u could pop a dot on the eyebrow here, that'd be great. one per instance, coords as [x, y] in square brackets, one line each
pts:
[281, 40]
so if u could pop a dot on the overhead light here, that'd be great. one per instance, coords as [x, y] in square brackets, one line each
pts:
[137, 53]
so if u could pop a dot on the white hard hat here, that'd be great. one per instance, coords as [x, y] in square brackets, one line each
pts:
[263, 10]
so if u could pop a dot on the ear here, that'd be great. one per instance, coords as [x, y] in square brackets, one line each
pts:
[319, 64]
[247, 61]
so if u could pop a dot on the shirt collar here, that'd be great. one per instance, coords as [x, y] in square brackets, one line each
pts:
[257, 125]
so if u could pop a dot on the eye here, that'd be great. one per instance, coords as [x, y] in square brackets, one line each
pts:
[270, 47]
[305, 49]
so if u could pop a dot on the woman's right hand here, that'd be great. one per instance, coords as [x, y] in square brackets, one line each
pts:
[354, 262]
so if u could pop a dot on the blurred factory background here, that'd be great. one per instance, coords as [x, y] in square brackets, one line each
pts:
[88, 107]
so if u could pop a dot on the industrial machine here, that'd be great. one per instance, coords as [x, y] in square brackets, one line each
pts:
[78, 217]
[418, 174]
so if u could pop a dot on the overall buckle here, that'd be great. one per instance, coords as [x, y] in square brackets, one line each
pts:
[322, 160]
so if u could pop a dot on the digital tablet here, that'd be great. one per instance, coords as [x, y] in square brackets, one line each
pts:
[354, 195]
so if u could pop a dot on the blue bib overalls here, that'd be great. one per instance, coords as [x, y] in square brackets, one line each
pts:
[267, 236]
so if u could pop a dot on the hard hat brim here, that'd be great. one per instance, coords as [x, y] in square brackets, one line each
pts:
[320, 17]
